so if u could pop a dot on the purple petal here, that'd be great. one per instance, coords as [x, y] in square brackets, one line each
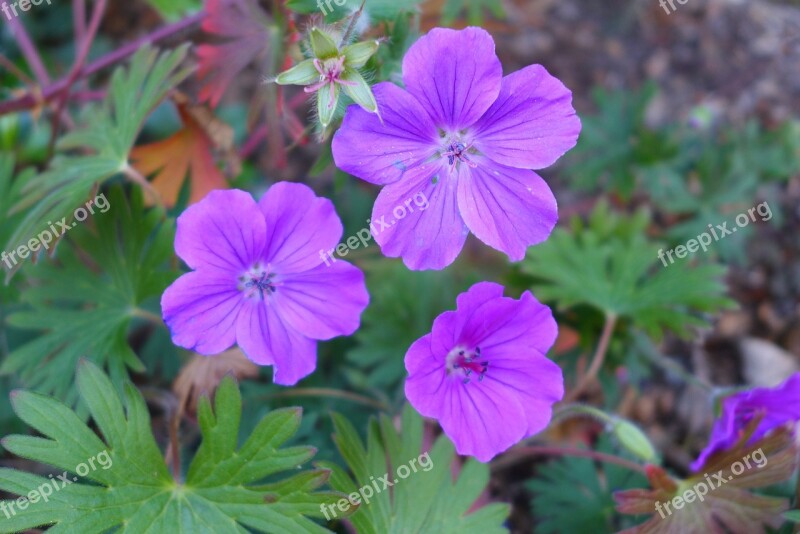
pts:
[324, 302]
[267, 340]
[425, 387]
[430, 233]
[512, 327]
[299, 225]
[480, 422]
[381, 149]
[508, 209]
[454, 74]
[531, 124]
[534, 380]
[200, 310]
[224, 231]
[776, 406]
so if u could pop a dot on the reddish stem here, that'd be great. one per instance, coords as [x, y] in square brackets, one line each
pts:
[28, 50]
[30, 100]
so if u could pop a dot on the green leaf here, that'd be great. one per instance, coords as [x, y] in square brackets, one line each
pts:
[358, 54]
[86, 302]
[575, 495]
[323, 45]
[175, 9]
[303, 73]
[611, 266]
[109, 134]
[326, 105]
[361, 92]
[423, 496]
[228, 489]
[475, 8]
[333, 10]
[792, 515]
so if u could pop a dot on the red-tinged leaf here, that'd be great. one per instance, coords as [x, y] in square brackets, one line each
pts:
[717, 501]
[244, 34]
[188, 151]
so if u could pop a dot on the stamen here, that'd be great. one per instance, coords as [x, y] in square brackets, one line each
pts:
[465, 361]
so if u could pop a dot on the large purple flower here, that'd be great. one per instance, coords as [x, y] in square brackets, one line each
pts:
[259, 281]
[775, 407]
[466, 137]
[482, 371]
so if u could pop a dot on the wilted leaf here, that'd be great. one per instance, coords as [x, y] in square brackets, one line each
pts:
[202, 375]
[190, 150]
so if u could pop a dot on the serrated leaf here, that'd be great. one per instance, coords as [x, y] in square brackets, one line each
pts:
[189, 151]
[424, 500]
[131, 488]
[574, 494]
[612, 267]
[109, 134]
[85, 303]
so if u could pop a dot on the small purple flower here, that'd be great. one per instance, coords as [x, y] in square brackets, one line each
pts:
[776, 407]
[258, 279]
[482, 371]
[466, 137]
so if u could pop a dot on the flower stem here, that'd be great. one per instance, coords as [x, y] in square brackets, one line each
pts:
[597, 360]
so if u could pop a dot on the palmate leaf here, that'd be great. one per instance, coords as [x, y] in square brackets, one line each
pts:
[109, 135]
[611, 266]
[227, 489]
[86, 301]
[426, 499]
[575, 495]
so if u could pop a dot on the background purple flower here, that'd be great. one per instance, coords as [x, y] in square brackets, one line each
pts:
[776, 407]
[466, 137]
[482, 371]
[259, 281]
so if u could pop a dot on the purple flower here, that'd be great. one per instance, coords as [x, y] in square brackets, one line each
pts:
[482, 371]
[466, 137]
[259, 281]
[776, 407]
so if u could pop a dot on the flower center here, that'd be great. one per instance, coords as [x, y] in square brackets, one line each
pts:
[457, 151]
[462, 360]
[330, 73]
[257, 281]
